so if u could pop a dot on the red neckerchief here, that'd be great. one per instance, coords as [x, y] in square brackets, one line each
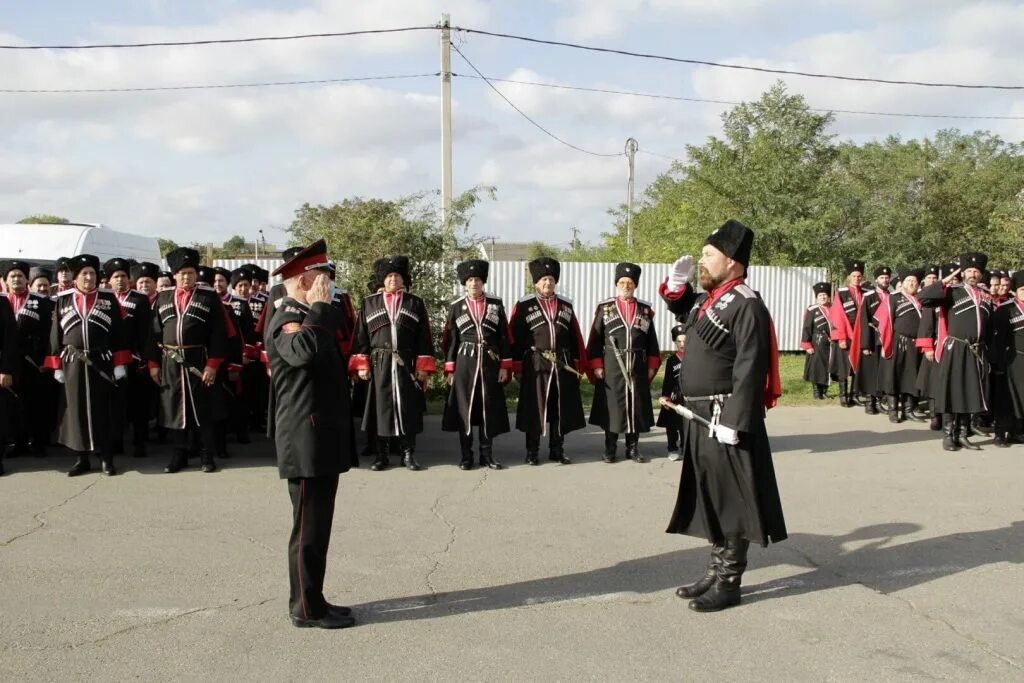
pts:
[226, 297]
[182, 297]
[715, 294]
[84, 301]
[627, 309]
[17, 300]
[152, 298]
[477, 307]
[392, 302]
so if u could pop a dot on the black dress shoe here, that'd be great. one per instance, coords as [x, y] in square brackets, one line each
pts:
[209, 467]
[107, 468]
[81, 466]
[328, 620]
[380, 464]
[935, 424]
[609, 457]
[340, 610]
[531, 459]
[490, 463]
[560, 458]
[999, 441]
[466, 465]
[178, 462]
[409, 462]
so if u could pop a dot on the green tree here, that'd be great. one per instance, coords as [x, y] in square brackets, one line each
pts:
[233, 247]
[166, 245]
[44, 218]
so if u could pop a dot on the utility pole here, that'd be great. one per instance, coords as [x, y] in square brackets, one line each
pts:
[631, 147]
[446, 126]
[575, 244]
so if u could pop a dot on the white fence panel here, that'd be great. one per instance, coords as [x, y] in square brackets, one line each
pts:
[786, 291]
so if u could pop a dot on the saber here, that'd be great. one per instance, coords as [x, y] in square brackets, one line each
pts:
[551, 357]
[690, 415]
[78, 354]
[176, 356]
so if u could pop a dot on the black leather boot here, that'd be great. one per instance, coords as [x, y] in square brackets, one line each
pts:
[532, 447]
[964, 432]
[3, 447]
[816, 392]
[486, 459]
[81, 466]
[107, 464]
[844, 394]
[179, 461]
[725, 592]
[704, 583]
[206, 460]
[871, 405]
[610, 446]
[999, 439]
[408, 454]
[896, 409]
[556, 448]
[935, 424]
[466, 448]
[951, 441]
[633, 448]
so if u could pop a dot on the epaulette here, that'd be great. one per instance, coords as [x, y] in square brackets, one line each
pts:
[843, 289]
[812, 307]
[745, 291]
[494, 297]
[527, 298]
[108, 290]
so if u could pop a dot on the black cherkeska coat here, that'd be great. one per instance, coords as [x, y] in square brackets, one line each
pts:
[728, 490]
[10, 364]
[198, 333]
[475, 350]
[534, 332]
[1007, 355]
[817, 335]
[312, 419]
[36, 388]
[866, 380]
[100, 335]
[622, 400]
[898, 373]
[393, 349]
[963, 333]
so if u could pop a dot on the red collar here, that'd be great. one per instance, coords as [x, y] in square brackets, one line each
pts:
[716, 293]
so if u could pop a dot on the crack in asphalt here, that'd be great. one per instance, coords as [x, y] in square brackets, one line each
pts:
[435, 509]
[40, 517]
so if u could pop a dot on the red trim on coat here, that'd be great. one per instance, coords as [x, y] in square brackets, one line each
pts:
[654, 362]
[671, 294]
[52, 363]
[122, 357]
[806, 345]
[426, 364]
[449, 367]
[214, 363]
[508, 364]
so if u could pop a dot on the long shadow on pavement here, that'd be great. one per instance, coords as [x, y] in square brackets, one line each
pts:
[876, 564]
[858, 439]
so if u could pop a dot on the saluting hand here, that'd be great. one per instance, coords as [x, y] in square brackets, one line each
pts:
[320, 290]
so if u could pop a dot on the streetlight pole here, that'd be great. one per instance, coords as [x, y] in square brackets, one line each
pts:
[631, 148]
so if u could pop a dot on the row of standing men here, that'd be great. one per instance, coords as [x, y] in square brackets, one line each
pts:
[946, 344]
[120, 342]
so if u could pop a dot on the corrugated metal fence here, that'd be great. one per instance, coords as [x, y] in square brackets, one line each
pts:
[786, 291]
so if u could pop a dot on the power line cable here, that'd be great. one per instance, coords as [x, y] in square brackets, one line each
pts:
[661, 96]
[215, 86]
[220, 41]
[742, 67]
[526, 116]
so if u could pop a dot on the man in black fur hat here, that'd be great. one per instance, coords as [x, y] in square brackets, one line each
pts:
[728, 493]
[189, 343]
[549, 356]
[478, 364]
[1007, 355]
[961, 389]
[624, 356]
[851, 297]
[867, 365]
[394, 351]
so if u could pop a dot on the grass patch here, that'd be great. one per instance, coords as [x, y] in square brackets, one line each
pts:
[795, 391]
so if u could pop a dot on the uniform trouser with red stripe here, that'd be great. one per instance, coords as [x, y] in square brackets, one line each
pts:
[312, 515]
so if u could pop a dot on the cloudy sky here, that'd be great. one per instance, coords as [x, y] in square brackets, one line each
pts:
[203, 165]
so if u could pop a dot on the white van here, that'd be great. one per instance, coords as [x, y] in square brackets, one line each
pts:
[44, 243]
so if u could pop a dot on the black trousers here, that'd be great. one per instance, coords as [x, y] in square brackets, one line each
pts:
[556, 439]
[312, 516]
[672, 434]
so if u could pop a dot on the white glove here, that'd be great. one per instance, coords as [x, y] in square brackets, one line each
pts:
[727, 436]
[58, 375]
[120, 373]
[682, 271]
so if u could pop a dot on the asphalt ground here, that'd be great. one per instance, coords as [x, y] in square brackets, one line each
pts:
[903, 563]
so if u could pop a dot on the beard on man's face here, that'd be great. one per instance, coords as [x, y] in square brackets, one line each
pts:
[707, 280]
